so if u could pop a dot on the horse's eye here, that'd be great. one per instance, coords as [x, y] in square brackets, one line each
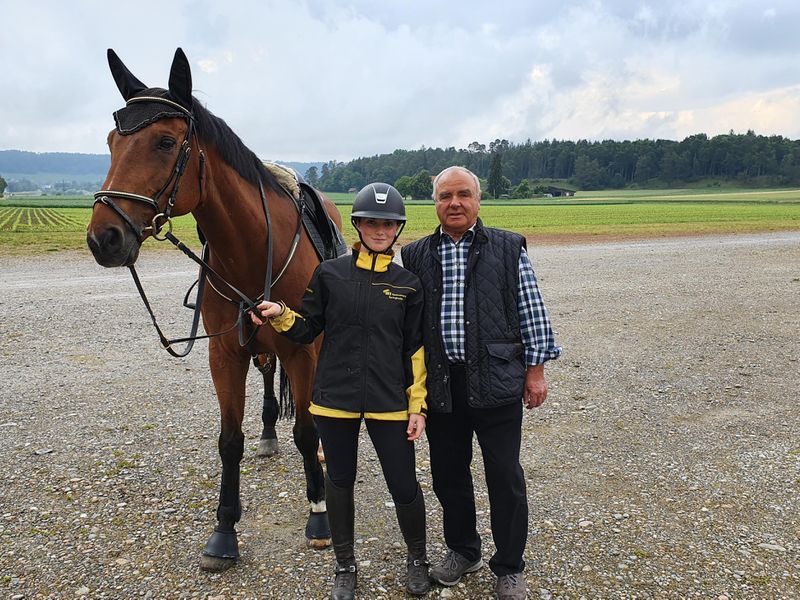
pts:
[166, 143]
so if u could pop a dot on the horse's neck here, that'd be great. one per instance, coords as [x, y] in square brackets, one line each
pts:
[232, 219]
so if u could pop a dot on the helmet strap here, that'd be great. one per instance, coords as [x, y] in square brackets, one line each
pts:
[354, 223]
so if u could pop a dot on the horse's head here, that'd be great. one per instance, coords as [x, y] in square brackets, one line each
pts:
[151, 150]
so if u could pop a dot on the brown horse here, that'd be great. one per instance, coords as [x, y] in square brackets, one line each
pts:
[171, 156]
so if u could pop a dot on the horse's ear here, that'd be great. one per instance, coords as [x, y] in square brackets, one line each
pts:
[180, 80]
[128, 85]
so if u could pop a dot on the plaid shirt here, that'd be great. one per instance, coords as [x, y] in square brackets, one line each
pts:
[534, 324]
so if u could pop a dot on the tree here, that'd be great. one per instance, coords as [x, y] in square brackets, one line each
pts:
[587, 173]
[484, 187]
[423, 185]
[22, 185]
[405, 185]
[646, 168]
[505, 186]
[495, 182]
[312, 177]
[2, 186]
[523, 190]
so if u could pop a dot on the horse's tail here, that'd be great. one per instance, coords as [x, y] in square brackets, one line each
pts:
[286, 400]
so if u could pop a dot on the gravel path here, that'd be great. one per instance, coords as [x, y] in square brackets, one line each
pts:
[665, 464]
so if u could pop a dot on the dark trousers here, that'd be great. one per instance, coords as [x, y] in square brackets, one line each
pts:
[395, 453]
[499, 432]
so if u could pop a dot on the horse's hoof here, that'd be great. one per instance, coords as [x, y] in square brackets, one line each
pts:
[267, 447]
[318, 544]
[216, 564]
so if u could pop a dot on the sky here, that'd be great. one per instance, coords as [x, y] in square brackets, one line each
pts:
[318, 80]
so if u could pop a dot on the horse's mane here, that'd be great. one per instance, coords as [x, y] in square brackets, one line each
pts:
[211, 129]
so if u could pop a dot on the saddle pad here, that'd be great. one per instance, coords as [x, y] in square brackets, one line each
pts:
[287, 177]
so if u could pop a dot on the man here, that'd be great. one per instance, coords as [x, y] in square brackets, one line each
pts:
[487, 336]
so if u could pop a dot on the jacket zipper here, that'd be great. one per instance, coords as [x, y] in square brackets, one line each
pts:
[365, 350]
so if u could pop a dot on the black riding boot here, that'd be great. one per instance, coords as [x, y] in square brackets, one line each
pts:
[411, 518]
[341, 514]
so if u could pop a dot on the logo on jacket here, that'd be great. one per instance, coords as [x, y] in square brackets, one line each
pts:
[393, 295]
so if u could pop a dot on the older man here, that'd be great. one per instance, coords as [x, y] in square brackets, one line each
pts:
[487, 336]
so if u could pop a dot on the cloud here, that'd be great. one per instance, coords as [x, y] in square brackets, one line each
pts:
[325, 79]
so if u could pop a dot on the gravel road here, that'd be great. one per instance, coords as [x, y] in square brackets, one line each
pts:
[665, 463]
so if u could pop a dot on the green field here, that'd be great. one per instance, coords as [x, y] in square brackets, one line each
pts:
[37, 225]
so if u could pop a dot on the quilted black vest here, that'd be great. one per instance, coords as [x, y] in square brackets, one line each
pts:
[495, 358]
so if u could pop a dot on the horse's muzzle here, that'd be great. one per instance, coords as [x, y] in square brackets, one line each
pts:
[113, 246]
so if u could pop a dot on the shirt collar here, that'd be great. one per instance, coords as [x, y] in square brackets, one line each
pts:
[467, 235]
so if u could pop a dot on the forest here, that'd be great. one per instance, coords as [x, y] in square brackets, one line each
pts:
[517, 170]
[736, 159]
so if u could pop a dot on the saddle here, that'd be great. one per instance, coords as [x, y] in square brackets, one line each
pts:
[325, 236]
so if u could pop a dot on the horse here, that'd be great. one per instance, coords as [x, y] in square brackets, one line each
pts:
[171, 156]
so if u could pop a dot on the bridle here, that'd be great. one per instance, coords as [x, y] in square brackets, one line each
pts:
[106, 196]
[164, 218]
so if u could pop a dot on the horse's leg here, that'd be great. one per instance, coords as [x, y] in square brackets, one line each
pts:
[268, 444]
[228, 370]
[300, 369]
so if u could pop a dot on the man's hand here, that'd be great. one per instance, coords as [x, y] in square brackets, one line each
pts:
[416, 425]
[267, 309]
[535, 391]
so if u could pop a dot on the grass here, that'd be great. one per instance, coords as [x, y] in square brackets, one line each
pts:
[40, 227]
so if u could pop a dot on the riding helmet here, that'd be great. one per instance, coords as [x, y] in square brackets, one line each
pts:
[379, 201]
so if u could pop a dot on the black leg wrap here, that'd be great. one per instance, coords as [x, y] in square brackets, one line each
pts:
[307, 441]
[269, 416]
[411, 518]
[227, 516]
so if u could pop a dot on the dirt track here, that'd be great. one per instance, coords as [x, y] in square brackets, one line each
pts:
[665, 464]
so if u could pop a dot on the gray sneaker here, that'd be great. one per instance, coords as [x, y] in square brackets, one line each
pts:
[511, 587]
[453, 566]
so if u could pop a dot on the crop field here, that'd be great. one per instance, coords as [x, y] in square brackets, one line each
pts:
[36, 230]
[39, 225]
[41, 219]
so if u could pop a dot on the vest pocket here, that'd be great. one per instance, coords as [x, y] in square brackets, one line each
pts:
[506, 370]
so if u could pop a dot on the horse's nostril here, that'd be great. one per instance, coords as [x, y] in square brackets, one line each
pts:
[111, 239]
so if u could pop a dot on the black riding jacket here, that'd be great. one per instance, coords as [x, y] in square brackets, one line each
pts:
[372, 360]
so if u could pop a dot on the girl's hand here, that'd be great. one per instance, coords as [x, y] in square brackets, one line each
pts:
[267, 310]
[416, 425]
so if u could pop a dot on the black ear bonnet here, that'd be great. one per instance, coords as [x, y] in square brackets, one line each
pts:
[141, 113]
[147, 105]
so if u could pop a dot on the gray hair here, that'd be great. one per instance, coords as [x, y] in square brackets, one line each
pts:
[458, 169]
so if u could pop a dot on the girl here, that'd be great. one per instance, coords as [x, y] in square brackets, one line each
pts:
[371, 366]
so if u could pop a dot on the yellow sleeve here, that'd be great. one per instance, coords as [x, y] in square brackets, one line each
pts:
[417, 393]
[284, 320]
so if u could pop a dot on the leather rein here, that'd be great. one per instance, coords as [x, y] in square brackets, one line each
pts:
[163, 219]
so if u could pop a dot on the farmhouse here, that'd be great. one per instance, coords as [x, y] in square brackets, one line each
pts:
[557, 192]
